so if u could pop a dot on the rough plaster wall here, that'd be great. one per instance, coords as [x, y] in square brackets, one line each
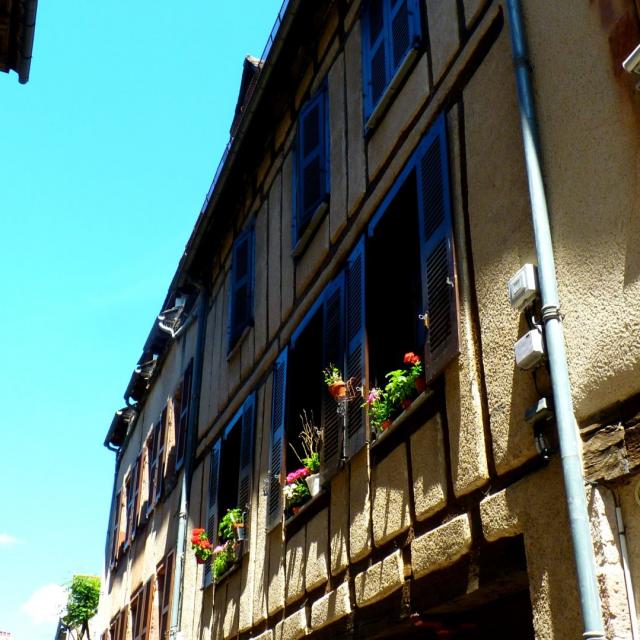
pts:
[589, 130]
[631, 517]
[501, 242]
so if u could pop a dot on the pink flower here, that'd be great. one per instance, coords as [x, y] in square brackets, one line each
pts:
[219, 549]
[296, 475]
[411, 358]
[374, 395]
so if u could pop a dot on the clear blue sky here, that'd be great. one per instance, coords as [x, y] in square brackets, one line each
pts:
[105, 158]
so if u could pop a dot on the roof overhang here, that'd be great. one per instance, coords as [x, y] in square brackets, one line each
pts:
[17, 28]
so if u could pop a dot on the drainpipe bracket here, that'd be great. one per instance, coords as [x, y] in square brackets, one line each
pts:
[551, 312]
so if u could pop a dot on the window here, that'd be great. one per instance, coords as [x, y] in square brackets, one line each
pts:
[391, 32]
[241, 302]
[411, 234]
[230, 466]
[132, 493]
[311, 168]
[164, 585]
[118, 626]
[331, 332]
[140, 608]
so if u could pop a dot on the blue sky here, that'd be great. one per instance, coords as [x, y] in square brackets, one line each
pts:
[105, 158]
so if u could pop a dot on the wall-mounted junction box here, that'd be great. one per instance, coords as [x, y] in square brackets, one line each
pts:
[523, 287]
[529, 350]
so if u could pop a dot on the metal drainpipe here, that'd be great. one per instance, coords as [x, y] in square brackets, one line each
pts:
[185, 489]
[567, 428]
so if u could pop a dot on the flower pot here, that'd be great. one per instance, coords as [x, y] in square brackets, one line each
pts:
[313, 482]
[200, 560]
[406, 403]
[421, 385]
[240, 532]
[338, 390]
[386, 424]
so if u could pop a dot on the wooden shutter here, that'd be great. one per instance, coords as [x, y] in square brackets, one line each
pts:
[144, 482]
[136, 496]
[169, 478]
[116, 529]
[183, 407]
[333, 352]
[161, 436]
[246, 453]
[440, 298]
[131, 485]
[241, 285]
[278, 416]
[165, 594]
[153, 465]
[375, 53]
[312, 165]
[356, 347]
[212, 503]
[121, 534]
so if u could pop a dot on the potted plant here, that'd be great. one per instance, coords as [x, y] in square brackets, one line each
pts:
[296, 492]
[232, 525]
[225, 555]
[310, 438]
[333, 380]
[201, 545]
[231, 534]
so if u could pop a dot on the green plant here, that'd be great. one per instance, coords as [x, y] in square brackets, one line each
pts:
[82, 605]
[229, 523]
[332, 375]
[378, 408]
[224, 556]
[201, 545]
[310, 438]
[296, 490]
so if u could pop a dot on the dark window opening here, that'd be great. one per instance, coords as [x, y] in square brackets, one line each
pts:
[394, 286]
[305, 385]
[230, 466]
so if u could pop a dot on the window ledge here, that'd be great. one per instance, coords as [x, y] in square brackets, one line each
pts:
[391, 90]
[402, 418]
[310, 229]
[238, 343]
[307, 511]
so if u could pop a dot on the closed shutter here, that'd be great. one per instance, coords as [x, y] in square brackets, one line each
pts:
[241, 285]
[356, 347]
[312, 165]
[183, 407]
[278, 415]
[332, 422]
[440, 298]
[246, 453]
[212, 503]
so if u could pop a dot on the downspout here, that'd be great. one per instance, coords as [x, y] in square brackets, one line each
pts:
[187, 472]
[563, 403]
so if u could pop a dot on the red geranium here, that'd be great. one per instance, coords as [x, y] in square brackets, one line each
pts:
[411, 358]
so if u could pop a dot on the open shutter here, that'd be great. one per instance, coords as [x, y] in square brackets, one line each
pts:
[241, 285]
[356, 347]
[161, 436]
[183, 421]
[246, 453]
[332, 423]
[169, 480]
[152, 449]
[144, 482]
[278, 414]
[404, 20]
[375, 55]
[116, 528]
[122, 524]
[165, 593]
[440, 298]
[212, 503]
[136, 496]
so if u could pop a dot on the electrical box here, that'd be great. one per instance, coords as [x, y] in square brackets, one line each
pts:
[530, 350]
[539, 411]
[523, 287]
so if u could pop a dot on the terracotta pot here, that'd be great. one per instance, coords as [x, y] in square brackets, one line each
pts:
[200, 560]
[421, 385]
[406, 403]
[295, 510]
[386, 424]
[338, 390]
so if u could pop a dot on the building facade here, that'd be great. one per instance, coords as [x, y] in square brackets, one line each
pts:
[372, 206]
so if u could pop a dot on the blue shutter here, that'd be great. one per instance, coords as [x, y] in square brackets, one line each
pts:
[356, 347]
[391, 28]
[212, 504]
[312, 167]
[246, 452]
[437, 257]
[241, 311]
[278, 416]
[332, 423]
